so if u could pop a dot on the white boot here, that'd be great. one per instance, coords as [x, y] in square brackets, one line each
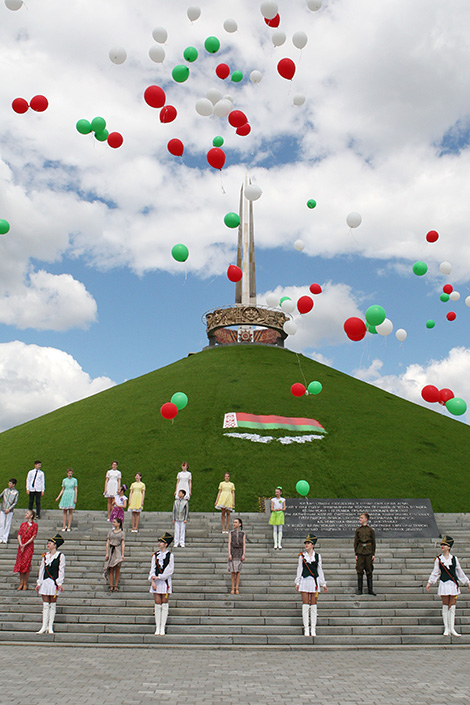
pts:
[279, 537]
[445, 619]
[52, 610]
[305, 614]
[164, 618]
[158, 618]
[45, 618]
[313, 620]
[452, 621]
[275, 536]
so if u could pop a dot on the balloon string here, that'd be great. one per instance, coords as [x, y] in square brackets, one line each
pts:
[222, 182]
[301, 370]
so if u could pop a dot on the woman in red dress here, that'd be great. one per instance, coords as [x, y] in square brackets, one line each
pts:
[26, 535]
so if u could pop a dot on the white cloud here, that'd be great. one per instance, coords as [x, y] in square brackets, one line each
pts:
[321, 358]
[36, 380]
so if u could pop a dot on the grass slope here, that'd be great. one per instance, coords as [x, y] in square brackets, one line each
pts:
[378, 445]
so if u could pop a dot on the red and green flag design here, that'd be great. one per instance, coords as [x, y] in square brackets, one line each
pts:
[288, 423]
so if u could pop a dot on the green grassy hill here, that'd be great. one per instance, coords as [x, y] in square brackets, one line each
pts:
[378, 445]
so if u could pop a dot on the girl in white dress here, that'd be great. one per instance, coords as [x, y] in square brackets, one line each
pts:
[161, 570]
[308, 581]
[448, 571]
[112, 485]
[50, 581]
[184, 480]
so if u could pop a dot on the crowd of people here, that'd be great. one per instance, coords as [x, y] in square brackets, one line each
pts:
[309, 580]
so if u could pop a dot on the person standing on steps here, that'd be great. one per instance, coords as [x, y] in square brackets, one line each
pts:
[112, 485]
[69, 494]
[236, 553]
[161, 570]
[180, 517]
[115, 544]
[136, 502]
[278, 507]
[225, 501]
[50, 581]
[119, 504]
[26, 535]
[308, 581]
[35, 487]
[448, 571]
[9, 498]
[364, 548]
[184, 481]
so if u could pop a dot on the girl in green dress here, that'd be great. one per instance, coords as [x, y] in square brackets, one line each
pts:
[69, 493]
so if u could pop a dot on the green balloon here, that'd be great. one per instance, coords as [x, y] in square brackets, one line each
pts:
[218, 141]
[430, 323]
[375, 315]
[180, 253]
[232, 220]
[444, 297]
[302, 487]
[83, 126]
[285, 298]
[236, 76]
[420, 268]
[98, 124]
[311, 203]
[180, 73]
[4, 226]
[180, 400]
[314, 388]
[102, 135]
[371, 329]
[212, 45]
[190, 54]
[456, 406]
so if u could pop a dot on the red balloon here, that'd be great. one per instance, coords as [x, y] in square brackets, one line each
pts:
[298, 389]
[445, 394]
[234, 273]
[430, 393]
[451, 316]
[448, 289]
[432, 236]
[236, 118]
[315, 288]
[176, 147]
[222, 71]
[286, 69]
[168, 113]
[115, 139]
[244, 130]
[216, 157]
[155, 96]
[355, 328]
[274, 22]
[305, 304]
[39, 103]
[20, 105]
[169, 410]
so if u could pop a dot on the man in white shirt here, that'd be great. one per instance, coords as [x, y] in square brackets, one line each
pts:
[35, 486]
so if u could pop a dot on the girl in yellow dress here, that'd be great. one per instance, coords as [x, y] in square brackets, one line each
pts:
[226, 501]
[136, 501]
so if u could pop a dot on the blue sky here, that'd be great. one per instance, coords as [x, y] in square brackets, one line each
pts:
[89, 293]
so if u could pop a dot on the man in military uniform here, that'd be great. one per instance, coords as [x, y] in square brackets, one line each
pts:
[364, 548]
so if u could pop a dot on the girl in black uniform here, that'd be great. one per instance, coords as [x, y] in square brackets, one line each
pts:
[308, 581]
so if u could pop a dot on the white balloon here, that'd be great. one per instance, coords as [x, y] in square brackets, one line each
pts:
[299, 245]
[288, 306]
[467, 301]
[313, 5]
[204, 107]
[193, 13]
[118, 55]
[272, 300]
[268, 9]
[227, 97]
[354, 219]
[253, 192]
[299, 99]
[222, 108]
[160, 35]
[278, 37]
[214, 95]
[445, 267]
[157, 53]
[290, 328]
[401, 334]
[230, 25]
[384, 328]
[256, 76]
[14, 4]
[454, 296]
[299, 39]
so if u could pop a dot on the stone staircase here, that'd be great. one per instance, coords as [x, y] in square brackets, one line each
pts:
[204, 613]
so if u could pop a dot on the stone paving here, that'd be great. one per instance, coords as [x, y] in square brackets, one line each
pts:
[58, 675]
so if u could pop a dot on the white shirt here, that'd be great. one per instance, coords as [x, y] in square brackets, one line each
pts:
[169, 570]
[321, 577]
[436, 572]
[183, 478]
[39, 482]
[277, 503]
[48, 558]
